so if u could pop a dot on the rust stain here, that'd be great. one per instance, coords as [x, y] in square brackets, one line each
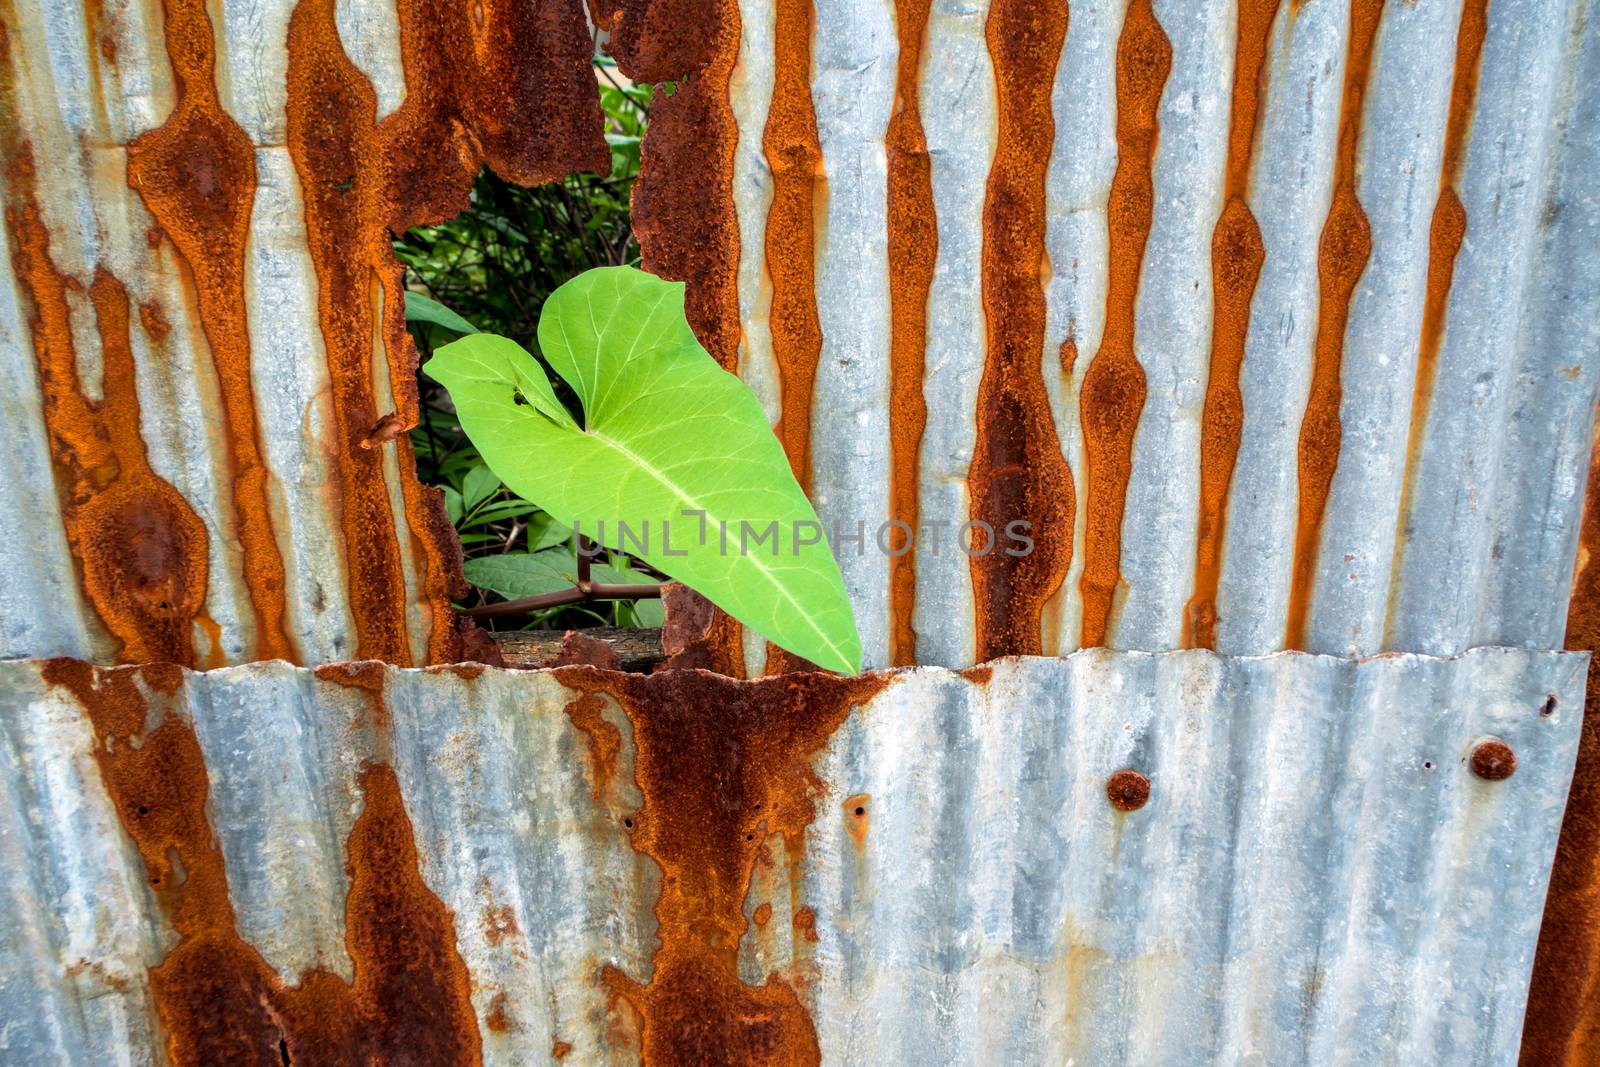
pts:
[913, 246]
[795, 156]
[1445, 234]
[196, 173]
[217, 999]
[805, 923]
[723, 765]
[1341, 259]
[855, 818]
[1114, 386]
[683, 211]
[142, 552]
[496, 1020]
[1018, 471]
[763, 915]
[560, 1049]
[605, 740]
[500, 923]
[1237, 253]
[1562, 1028]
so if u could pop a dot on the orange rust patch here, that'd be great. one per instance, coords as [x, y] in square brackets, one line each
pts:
[142, 552]
[196, 173]
[913, 245]
[605, 740]
[1341, 259]
[496, 1020]
[1018, 471]
[722, 765]
[1237, 253]
[217, 999]
[763, 915]
[1563, 1021]
[805, 921]
[500, 923]
[683, 212]
[1114, 386]
[855, 818]
[366, 676]
[1445, 234]
[560, 1049]
[795, 156]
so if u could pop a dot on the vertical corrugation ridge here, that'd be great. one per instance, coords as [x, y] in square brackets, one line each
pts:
[196, 174]
[1018, 472]
[1237, 253]
[913, 249]
[794, 154]
[141, 550]
[1445, 234]
[331, 113]
[1114, 385]
[1341, 257]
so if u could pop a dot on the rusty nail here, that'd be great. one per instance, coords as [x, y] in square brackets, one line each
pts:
[1128, 790]
[1493, 761]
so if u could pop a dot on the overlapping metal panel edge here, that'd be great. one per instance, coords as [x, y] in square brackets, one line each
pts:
[199, 312]
[1455, 367]
[1317, 874]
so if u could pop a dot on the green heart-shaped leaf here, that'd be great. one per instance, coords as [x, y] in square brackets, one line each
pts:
[672, 448]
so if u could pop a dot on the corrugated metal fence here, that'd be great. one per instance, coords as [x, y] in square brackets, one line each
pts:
[1276, 321]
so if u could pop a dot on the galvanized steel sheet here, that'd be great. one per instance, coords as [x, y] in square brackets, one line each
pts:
[200, 316]
[923, 867]
[1342, 308]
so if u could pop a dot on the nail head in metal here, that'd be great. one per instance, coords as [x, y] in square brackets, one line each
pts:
[1128, 790]
[1493, 761]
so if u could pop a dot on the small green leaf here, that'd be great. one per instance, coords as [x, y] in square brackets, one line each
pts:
[452, 504]
[479, 484]
[545, 532]
[668, 437]
[518, 574]
[421, 308]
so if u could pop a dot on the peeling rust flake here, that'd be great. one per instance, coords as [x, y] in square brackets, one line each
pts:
[723, 765]
[1114, 386]
[218, 1000]
[683, 210]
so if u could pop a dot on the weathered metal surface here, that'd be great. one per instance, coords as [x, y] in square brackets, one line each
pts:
[1107, 858]
[1275, 319]
[200, 316]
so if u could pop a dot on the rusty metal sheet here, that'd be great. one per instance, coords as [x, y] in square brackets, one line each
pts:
[1111, 857]
[200, 315]
[1275, 319]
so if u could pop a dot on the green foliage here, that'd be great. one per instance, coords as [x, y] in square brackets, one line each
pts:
[669, 445]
